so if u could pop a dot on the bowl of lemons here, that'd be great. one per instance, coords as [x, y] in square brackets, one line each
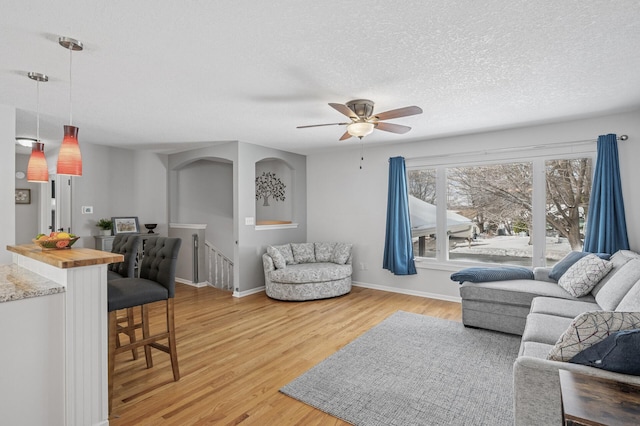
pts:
[55, 240]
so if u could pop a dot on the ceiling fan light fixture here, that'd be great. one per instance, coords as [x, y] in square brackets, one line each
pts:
[360, 129]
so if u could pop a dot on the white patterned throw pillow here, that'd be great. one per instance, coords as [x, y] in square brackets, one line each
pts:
[589, 328]
[583, 275]
[278, 259]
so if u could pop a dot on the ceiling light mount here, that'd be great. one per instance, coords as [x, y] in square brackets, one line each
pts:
[70, 43]
[38, 77]
[361, 107]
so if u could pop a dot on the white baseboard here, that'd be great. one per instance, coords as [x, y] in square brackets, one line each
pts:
[409, 292]
[248, 292]
[354, 283]
[191, 283]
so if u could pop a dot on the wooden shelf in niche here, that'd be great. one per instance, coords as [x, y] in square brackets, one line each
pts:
[273, 222]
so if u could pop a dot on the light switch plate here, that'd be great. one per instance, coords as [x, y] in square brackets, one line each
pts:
[249, 221]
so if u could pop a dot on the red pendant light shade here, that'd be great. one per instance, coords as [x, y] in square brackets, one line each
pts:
[69, 158]
[37, 170]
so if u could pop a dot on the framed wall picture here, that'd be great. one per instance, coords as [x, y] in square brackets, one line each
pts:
[125, 225]
[23, 196]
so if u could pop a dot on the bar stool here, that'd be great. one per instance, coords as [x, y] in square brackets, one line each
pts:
[127, 245]
[156, 283]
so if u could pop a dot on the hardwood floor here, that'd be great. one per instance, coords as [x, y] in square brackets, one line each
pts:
[235, 354]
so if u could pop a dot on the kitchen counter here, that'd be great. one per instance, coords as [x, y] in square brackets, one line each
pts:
[56, 345]
[17, 283]
[68, 258]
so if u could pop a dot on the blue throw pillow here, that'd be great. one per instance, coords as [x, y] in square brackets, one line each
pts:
[492, 273]
[617, 352]
[567, 262]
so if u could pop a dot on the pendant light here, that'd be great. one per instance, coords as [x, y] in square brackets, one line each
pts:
[69, 157]
[37, 170]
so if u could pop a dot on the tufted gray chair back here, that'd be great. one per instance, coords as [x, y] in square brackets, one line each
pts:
[159, 261]
[126, 245]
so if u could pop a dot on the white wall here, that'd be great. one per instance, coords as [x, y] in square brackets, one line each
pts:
[118, 182]
[349, 204]
[27, 226]
[205, 195]
[7, 176]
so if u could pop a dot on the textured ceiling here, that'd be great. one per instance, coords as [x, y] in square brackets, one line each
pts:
[168, 75]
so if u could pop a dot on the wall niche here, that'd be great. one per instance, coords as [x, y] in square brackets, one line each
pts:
[274, 192]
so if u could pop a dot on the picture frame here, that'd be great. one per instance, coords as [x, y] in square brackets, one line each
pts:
[23, 196]
[125, 225]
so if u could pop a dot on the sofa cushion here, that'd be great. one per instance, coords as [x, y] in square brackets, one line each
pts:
[303, 252]
[543, 328]
[568, 261]
[583, 275]
[341, 253]
[562, 307]
[514, 292]
[481, 274]
[324, 251]
[285, 250]
[631, 301]
[619, 259]
[590, 328]
[619, 285]
[310, 273]
[617, 352]
[278, 259]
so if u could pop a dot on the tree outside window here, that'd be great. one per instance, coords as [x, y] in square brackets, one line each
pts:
[498, 200]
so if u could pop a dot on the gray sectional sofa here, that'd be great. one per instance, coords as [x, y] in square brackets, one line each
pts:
[307, 271]
[548, 317]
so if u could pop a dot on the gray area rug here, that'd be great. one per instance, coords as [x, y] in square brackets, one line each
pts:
[415, 370]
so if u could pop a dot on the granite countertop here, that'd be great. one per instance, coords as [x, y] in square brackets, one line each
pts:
[17, 283]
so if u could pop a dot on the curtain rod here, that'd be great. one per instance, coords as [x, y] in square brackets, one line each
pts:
[496, 150]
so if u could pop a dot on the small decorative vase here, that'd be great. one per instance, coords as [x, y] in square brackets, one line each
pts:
[105, 232]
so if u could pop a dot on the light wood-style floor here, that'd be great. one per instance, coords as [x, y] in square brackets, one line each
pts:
[235, 354]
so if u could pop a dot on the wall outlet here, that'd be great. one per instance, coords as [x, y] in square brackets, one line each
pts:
[363, 266]
[87, 209]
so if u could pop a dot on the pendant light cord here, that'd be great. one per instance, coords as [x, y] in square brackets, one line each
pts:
[70, 88]
[37, 111]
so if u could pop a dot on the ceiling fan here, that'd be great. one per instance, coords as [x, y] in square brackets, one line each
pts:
[363, 120]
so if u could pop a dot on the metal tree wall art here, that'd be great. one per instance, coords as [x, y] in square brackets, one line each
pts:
[268, 185]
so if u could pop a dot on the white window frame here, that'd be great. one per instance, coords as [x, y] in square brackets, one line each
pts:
[537, 155]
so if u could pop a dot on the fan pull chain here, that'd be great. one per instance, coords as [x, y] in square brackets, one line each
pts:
[361, 153]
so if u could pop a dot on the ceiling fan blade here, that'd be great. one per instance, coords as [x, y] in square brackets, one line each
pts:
[320, 125]
[343, 109]
[345, 136]
[397, 113]
[393, 128]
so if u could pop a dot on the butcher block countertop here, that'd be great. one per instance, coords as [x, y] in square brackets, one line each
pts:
[67, 258]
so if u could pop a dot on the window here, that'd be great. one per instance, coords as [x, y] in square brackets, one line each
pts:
[529, 213]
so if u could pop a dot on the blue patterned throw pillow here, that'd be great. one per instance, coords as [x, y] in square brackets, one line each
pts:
[618, 352]
[492, 273]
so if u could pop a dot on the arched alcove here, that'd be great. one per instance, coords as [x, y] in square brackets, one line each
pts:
[274, 192]
[204, 194]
